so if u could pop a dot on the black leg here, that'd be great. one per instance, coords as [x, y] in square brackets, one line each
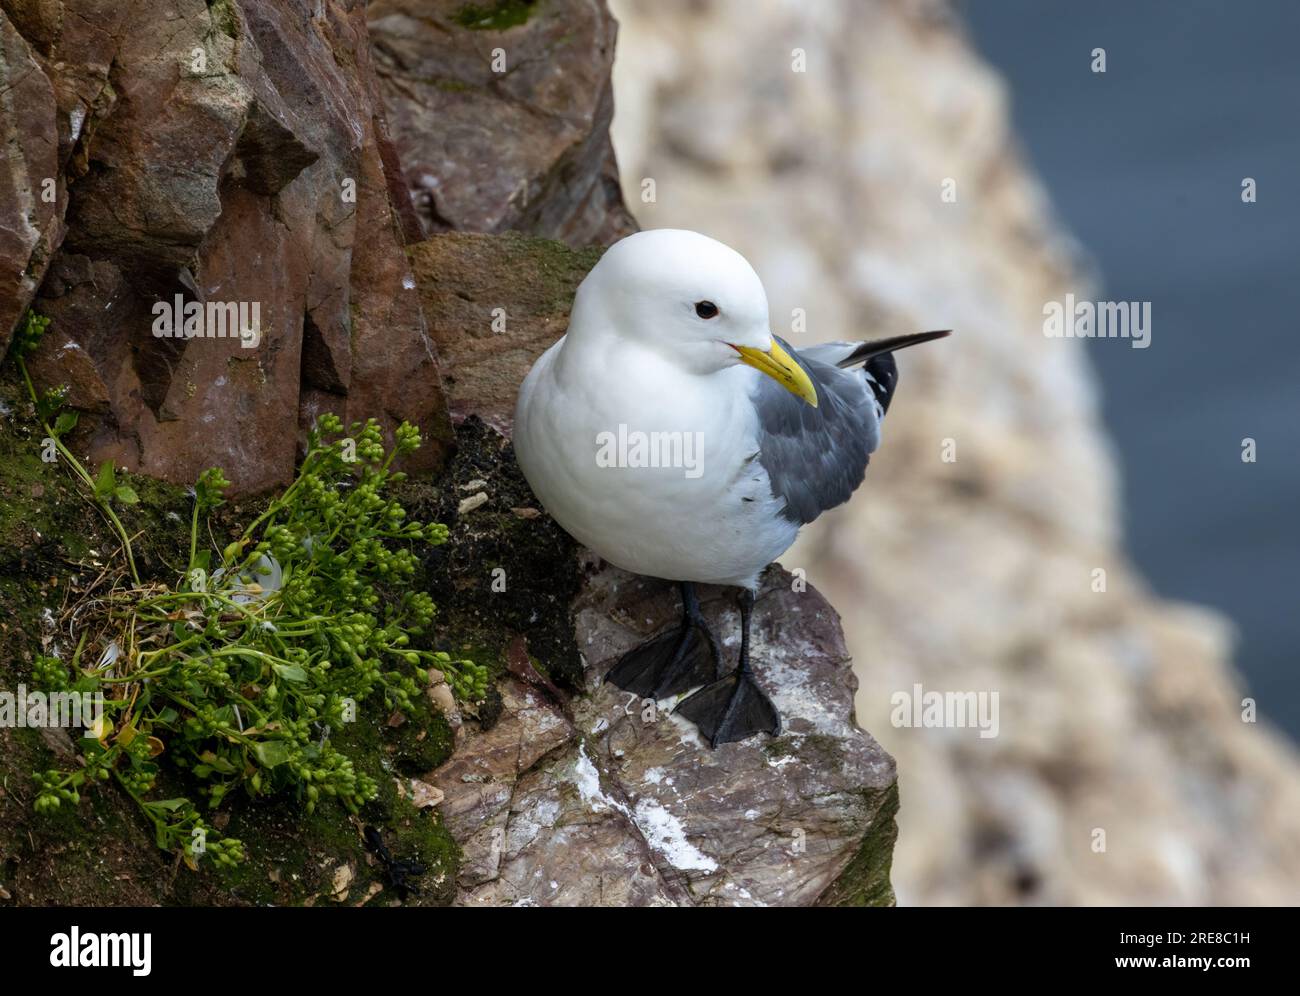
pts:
[674, 661]
[733, 707]
[746, 614]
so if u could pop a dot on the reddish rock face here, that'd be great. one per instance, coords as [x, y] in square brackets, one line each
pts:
[33, 196]
[494, 304]
[237, 156]
[501, 115]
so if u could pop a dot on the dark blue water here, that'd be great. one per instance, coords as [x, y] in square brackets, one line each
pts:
[1145, 164]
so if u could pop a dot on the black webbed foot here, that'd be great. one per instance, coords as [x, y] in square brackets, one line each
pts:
[674, 661]
[734, 707]
[731, 709]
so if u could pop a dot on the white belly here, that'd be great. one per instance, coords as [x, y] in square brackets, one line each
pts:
[588, 450]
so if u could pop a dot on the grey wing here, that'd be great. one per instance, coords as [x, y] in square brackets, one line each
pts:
[830, 353]
[817, 457]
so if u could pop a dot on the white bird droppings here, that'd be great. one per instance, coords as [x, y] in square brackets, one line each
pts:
[664, 832]
[661, 829]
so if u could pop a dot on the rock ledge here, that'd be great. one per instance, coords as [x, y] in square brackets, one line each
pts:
[610, 800]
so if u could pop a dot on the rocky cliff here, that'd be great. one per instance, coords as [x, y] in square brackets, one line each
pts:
[171, 159]
[225, 154]
[329, 162]
[501, 115]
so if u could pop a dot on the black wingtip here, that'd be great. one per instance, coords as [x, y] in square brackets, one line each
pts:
[896, 342]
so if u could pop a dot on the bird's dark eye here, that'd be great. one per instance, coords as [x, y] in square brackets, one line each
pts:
[706, 309]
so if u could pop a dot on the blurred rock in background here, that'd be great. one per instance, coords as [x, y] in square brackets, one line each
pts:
[1119, 712]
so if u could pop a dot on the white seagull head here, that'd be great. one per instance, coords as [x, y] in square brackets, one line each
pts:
[690, 298]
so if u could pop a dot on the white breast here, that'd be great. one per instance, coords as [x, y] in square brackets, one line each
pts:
[707, 516]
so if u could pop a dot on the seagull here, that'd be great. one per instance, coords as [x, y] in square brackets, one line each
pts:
[671, 433]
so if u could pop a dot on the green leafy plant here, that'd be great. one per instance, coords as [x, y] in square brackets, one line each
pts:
[103, 487]
[239, 672]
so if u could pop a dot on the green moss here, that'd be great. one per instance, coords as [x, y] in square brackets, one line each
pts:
[865, 881]
[556, 264]
[224, 18]
[539, 276]
[538, 559]
[101, 852]
[496, 16]
[814, 748]
[292, 855]
[419, 834]
[779, 747]
[422, 742]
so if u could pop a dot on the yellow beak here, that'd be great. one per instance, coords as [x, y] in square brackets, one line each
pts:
[779, 365]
